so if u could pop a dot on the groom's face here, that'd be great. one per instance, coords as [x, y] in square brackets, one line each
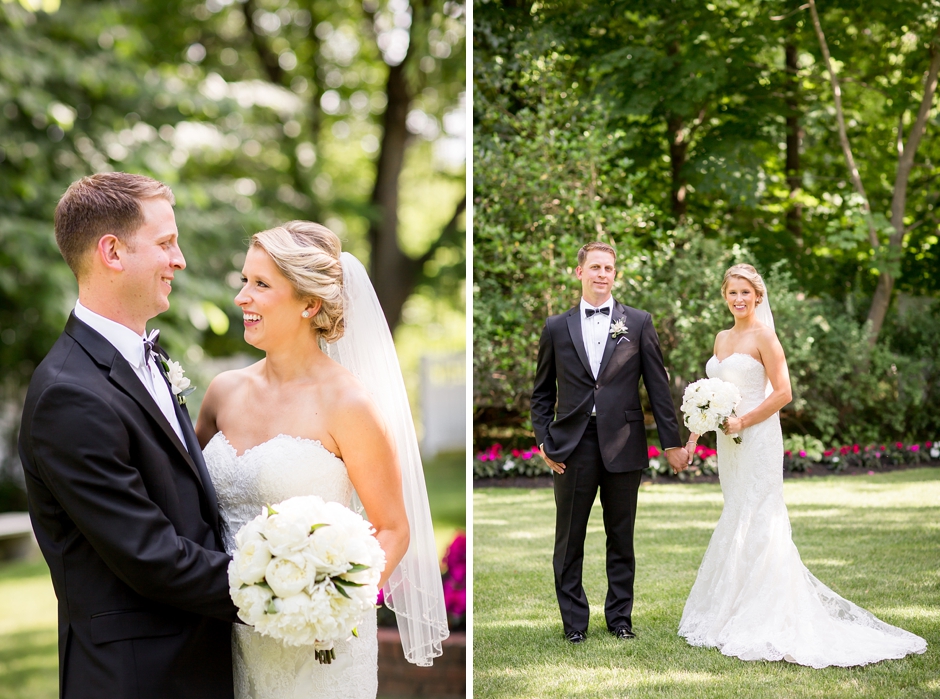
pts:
[597, 276]
[152, 257]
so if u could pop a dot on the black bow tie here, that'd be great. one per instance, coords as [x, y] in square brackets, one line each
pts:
[588, 312]
[149, 343]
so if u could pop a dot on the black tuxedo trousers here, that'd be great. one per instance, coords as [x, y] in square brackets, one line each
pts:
[126, 518]
[575, 491]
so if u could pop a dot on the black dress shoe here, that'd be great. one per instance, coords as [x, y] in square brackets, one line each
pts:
[623, 633]
[575, 636]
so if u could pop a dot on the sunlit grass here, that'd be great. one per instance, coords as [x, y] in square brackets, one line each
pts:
[28, 655]
[446, 480]
[874, 539]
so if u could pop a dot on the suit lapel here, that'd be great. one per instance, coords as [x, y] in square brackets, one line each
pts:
[123, 375]
[192, 444]
[105, 354]
[195, 452]
[577, 337]
[616, 314]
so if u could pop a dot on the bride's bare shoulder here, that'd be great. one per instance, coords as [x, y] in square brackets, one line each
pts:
[719, 340]
[768, 345]
[347, 391]
[229, 382]
[766, 335]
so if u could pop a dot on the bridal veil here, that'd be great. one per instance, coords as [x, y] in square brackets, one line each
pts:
[414, 591]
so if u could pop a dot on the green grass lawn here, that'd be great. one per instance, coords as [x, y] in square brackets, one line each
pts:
[28, 655]
[873, 539]
[446, 478]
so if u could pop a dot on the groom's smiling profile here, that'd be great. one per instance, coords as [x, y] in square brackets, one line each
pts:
[119, 496]
[588, 421]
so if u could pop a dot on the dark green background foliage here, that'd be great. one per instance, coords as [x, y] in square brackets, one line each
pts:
[693, 135]
[255, 112]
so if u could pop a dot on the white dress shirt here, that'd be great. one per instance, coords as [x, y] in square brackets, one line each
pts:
[594, 332]
[131, 347]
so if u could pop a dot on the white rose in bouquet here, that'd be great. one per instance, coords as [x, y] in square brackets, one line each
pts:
[707, 403]
[251, 560]
[305, 572]
[290, 622]
[724, 399]
[253, 602]
[288, 575]
[285, 534]
[698, 423]
[250, 532]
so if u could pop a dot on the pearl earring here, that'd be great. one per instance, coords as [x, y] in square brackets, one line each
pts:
[306, 314]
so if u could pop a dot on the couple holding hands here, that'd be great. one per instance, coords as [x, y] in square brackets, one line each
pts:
[753, 598]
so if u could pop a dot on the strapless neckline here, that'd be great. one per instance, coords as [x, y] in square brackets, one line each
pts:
[299, 440]
[737, 354]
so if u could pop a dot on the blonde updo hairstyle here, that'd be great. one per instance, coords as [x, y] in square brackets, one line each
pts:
[308, 255]
[748, 274]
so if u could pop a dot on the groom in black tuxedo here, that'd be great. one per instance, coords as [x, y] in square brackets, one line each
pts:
[119, 495]
[590, 361]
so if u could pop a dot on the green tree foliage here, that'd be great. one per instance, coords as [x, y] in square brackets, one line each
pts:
[255, 112]
[691, 135]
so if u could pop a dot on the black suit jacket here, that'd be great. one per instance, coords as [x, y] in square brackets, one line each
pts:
[563, 373]
[128, 522]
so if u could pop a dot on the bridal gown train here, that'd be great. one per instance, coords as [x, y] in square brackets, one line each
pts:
[266, 474]
[753, 597]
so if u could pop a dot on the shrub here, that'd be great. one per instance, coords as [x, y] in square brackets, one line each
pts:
[455, 582]
[843, 390]
[801, 453]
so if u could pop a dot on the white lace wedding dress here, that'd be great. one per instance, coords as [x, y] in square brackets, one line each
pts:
[753, 597]
[266, 474]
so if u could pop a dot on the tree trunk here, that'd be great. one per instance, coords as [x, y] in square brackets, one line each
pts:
[840, 122]
[794, 138]
[678, 148]
[388, 265]
[882, 298]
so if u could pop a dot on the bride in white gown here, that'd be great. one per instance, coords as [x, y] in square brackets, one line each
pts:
[324, 413]
[753, 597]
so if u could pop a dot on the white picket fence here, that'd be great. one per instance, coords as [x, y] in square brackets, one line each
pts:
[443, 403]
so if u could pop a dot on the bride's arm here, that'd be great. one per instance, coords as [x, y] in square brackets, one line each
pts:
[692, 441]
[370, 458]
[775, 364]
[206, 422]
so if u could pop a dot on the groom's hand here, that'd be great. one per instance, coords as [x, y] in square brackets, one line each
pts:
[678, 458]
[553, 465]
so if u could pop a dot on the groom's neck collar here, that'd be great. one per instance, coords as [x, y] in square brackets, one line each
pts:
[608, 303]
[122, 338]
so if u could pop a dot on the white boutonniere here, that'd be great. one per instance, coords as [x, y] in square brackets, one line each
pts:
[618, 329]
[178, 382]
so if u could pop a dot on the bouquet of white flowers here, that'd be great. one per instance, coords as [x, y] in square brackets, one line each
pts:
[707, 403]
[305, 572]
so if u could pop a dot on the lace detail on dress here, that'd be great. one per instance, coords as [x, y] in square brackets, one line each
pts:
[273, 471]
[753, 598]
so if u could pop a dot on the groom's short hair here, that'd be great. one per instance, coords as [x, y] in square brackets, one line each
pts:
[108, 202]
[596, 245]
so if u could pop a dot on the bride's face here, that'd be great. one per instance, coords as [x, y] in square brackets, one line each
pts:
[270, 308]
[740, 297]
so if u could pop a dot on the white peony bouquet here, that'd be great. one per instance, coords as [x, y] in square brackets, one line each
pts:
[707, 403]
[305, 572]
